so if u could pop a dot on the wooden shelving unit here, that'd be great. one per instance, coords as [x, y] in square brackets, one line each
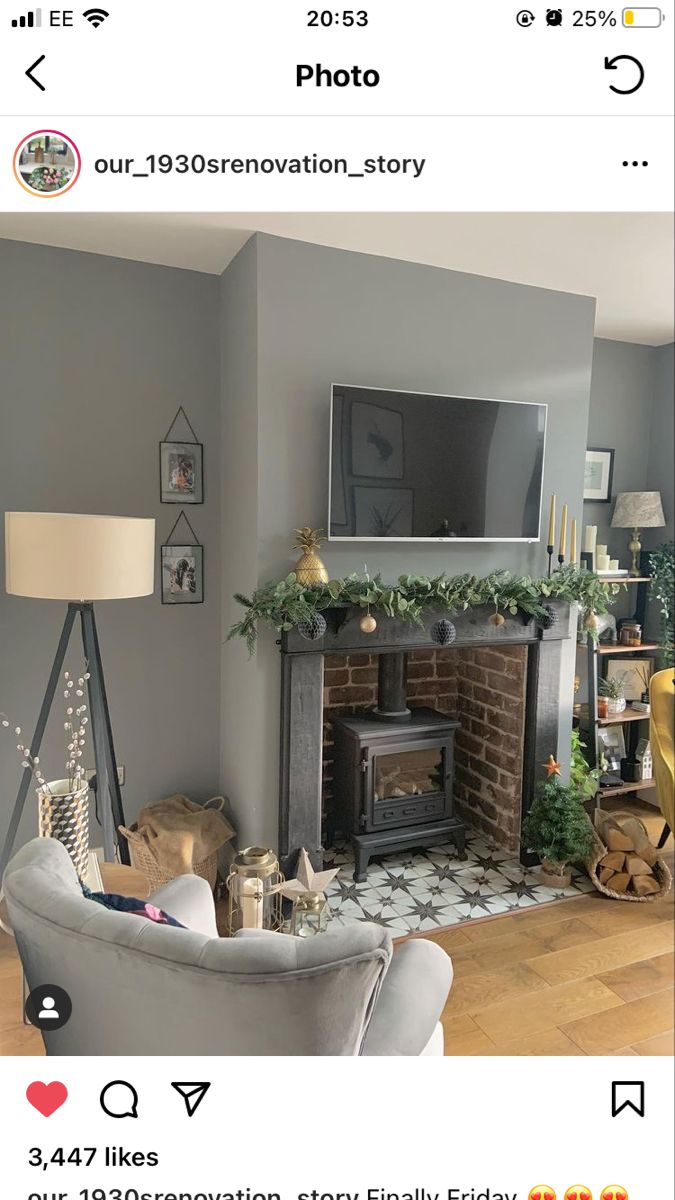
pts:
[589, 720]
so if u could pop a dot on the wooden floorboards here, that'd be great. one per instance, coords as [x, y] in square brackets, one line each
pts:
[588, 976]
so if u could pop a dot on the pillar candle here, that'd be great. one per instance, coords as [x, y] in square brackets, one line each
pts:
[602, 562]
[551, 523]
[251, 899]
[573, 541]
[563, 532]
[590, 538]
[600, 550]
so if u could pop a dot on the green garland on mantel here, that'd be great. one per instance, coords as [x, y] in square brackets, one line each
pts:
[286, 603]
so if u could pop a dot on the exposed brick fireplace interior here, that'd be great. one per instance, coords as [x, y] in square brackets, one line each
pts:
[482, 688]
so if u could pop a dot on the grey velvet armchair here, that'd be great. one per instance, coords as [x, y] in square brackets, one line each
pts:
[141, 988]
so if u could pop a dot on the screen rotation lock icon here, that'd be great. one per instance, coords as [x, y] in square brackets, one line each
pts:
[525, 18]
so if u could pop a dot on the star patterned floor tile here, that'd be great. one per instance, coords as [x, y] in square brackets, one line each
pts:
[430, 889]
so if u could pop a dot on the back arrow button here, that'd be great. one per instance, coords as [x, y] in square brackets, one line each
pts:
[31, 76]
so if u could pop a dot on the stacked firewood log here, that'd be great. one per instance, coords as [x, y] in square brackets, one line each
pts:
[631, 866]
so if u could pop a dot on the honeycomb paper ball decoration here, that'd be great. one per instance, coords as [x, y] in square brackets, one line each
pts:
[550, 619]
[313, 628]
[367, 624]
[444, 632]
[497, 619]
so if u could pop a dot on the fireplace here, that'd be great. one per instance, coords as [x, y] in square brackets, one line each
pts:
[498, 685]
[393, 774]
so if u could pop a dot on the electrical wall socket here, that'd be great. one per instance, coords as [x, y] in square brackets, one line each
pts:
[121, 774]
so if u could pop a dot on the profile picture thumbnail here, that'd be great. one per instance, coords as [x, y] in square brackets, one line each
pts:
[47, 163]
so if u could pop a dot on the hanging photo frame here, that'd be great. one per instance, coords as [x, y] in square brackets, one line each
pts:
[182, 567]
[181, 466]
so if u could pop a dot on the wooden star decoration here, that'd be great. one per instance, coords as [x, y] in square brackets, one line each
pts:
[552, 767]
[307, 879]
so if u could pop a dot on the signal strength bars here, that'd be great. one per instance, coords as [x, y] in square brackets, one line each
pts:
[32, 20]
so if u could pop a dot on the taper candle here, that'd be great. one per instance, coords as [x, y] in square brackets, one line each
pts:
[563, 532]
[573, 541]
[551, 523]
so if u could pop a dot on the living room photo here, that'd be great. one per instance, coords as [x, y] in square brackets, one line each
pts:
[400, 779]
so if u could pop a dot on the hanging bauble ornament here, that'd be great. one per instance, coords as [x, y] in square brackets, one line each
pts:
[313, 628]
[444, 632]
[591, 622]
[497, 619]
[550, 619]
[367, 624]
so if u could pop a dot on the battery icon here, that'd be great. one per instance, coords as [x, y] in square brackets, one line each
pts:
[642, 18]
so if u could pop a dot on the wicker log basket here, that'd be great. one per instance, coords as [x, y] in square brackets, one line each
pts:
[632, 828]
[144, 860]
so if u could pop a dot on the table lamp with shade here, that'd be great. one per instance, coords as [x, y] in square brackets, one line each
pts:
[79, 559]
[637, 511]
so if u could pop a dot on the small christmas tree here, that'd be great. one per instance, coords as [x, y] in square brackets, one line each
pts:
[557, 827]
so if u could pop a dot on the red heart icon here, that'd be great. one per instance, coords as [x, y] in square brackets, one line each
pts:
[46, 1097]
[585, 1196]
[571, 1196]
[549, 1196]
[536, 1196]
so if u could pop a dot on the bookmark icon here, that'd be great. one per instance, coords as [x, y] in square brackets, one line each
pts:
[192, 1093]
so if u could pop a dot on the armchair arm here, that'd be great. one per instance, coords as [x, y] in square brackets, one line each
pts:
[189, 899]
[411, 1000]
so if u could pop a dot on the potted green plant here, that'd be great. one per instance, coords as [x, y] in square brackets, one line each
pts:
[558, 830]
[584, 778]
[614, 689]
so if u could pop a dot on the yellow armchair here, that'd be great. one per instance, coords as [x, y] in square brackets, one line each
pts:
[662, 701]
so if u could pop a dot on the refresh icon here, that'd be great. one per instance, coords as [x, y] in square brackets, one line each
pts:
[611, 64]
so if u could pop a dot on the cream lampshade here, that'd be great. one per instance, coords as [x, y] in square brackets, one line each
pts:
[636, 511]
[72, 556]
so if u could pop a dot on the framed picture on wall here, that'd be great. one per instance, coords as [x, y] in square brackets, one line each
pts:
[182, 567]
[181, 472]
[612, 744]
[598, 475]
[181, 466]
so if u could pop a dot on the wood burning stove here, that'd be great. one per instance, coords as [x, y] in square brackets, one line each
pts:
[393, 774]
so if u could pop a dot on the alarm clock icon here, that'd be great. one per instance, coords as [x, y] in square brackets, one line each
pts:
[554, 16]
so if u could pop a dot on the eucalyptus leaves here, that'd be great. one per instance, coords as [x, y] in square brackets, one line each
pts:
[288, 603]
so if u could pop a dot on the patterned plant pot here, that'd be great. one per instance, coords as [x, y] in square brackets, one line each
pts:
[64, 815]
[615, 705]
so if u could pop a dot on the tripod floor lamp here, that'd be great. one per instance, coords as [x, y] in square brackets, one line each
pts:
[79, 559]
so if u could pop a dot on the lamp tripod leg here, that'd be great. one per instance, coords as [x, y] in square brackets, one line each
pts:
[111, 811]
[45, 709]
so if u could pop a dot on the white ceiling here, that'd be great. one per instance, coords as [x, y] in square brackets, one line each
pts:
[625, 260]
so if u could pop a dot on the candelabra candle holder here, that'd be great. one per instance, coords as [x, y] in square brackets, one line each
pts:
[549, 551]
[561, 560]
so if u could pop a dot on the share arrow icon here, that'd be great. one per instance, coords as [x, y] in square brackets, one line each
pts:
[193, 1094]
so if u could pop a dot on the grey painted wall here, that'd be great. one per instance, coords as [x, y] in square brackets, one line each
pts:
[96, 354]
[660, 475]
[327, 315]
[620, 417]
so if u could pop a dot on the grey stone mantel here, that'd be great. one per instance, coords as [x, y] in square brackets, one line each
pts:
[302, 664]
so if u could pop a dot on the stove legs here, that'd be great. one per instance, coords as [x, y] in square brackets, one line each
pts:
[366, 845]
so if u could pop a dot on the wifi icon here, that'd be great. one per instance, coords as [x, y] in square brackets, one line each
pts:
[95, 16]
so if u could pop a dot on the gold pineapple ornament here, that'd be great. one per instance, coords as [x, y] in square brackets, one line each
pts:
[309, 569]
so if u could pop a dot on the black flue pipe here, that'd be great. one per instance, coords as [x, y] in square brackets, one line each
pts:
[392, 687]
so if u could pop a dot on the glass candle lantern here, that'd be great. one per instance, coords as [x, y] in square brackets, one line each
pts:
[254, 886]
[310, 914]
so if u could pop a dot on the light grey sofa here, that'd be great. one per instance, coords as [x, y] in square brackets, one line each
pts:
[142, 988]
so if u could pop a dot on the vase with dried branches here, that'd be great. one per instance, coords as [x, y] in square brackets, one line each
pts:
[64, 803]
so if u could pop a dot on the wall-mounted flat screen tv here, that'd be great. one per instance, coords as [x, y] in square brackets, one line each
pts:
[408, 466]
